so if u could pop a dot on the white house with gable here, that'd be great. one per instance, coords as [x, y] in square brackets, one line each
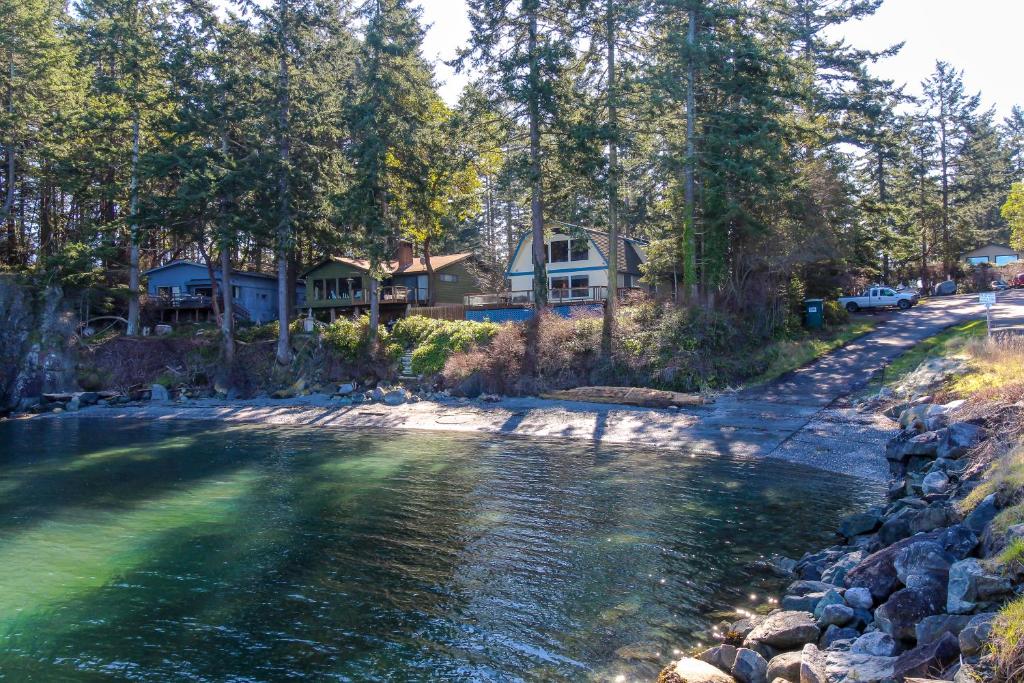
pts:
[577, 264]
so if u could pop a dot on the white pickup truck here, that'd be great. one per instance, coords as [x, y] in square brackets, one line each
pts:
[878, 297]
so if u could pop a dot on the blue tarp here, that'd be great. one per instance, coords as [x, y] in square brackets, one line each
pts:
[508, 315]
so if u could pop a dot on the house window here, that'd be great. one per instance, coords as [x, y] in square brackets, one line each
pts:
[167, 292]
[448, 277]
[203, 291]
[580, 250]
[318, 290]
[977, 260]
[559, 287]
[580, 286]
[236, 292]
[1007, 258]
[560, 251]
[331, 289]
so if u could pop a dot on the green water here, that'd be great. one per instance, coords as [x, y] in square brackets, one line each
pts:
[198, 552]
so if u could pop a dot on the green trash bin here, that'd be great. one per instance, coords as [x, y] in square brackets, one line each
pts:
[814, 313]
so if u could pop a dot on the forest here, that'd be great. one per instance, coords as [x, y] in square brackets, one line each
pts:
[757, 153]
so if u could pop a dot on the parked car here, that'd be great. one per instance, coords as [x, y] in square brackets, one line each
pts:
[878, 297]
[999, 286]
[1017, 281]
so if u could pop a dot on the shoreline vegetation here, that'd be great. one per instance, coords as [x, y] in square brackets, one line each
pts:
[927, 586]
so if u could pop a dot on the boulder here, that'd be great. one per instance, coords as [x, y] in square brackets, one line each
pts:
[981, 515]
[931, 628]
[837, 572]
[959, 541]
[959, 438]
[376, 394]
[691, 670]
[876, 644]
[87, 398]
[812, 665]
[935, 482]
[923, 659]
[159, 393]
[721, 657]
[786, 630]
[858, 598]
[836, 615]
[901, 447]
[801, 603]
[860, 523]
[970, 584]
[877, 572]
[976, 632]
[744, 626]
[804, 587]
[927, 559]
[395, 397]
[785, 666]
[749, 667]
[832, 597]
[345, 389]
[847, 667]
[833, 634]
[899, 615]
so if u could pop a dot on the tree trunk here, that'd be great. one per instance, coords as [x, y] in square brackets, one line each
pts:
[5, 211]
[431, 280]
[284, 351]
[540, 271]
[227, 323]
[133, 208]
[611, 299]
[689, 190]
[374, 312]
[214, 288]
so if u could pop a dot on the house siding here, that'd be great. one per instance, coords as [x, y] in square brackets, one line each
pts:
[455, 292]
[595, 267]
[258, 295]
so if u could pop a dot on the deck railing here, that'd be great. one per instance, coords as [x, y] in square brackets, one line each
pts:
[556, 296]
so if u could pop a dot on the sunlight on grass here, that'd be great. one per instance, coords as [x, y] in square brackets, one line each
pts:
[994, 365]
[790, 354]
[949, 343]
[1004, 476]
[1007, 642]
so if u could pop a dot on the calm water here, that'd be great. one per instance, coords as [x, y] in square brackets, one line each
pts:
[186, 551]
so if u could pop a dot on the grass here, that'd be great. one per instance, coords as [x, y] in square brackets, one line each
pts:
[1012, 556]
[790, 354]
[1007, 642]
[1005, 476]
[995, 365]
[947, 344]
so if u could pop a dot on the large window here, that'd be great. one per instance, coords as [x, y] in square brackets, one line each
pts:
[580, 286]
[448, 277]
[318, 290]
[580, 250]
[977, 260]
[331, 289]
[559, 288]
[236, 292]
[560, 251]
[1006, 258]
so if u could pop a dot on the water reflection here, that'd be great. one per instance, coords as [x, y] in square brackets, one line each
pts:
[158, 551]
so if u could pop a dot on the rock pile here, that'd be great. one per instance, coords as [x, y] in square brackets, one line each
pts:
[908, 594]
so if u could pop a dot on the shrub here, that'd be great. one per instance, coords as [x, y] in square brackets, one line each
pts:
[835, 314]
[346, 337]
[434, 341]
[254, 333]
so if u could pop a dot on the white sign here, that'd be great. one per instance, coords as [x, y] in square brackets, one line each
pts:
[987, 298]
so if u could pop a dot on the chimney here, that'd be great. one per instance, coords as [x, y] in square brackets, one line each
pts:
[404, 253]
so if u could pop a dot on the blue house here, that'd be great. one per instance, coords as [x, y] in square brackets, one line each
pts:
[181, 291]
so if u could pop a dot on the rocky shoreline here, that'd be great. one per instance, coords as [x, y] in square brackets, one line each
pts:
[911, 590]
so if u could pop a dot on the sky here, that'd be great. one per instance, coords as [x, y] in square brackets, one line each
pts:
[981, 37]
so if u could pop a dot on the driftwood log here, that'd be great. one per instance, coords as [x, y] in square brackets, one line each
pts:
[630, 396]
